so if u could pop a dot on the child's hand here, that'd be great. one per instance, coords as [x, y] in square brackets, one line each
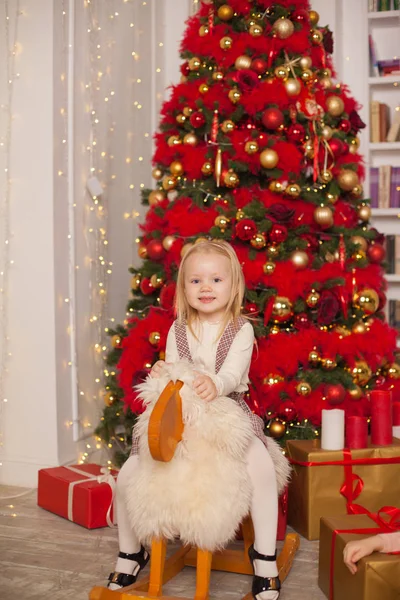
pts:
[157, 369]
[355, 551]
[204, 387]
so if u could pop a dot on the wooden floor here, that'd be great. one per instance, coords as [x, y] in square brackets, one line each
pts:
[45, 557]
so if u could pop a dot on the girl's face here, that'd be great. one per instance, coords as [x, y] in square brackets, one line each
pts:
[208, 285]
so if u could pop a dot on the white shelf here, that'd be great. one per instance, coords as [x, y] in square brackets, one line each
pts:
[384, 14]
[392, 277]
[385, 146]
[388, 80]
[385, 212]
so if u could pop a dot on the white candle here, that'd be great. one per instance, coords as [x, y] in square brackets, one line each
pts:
[396, 431]
[332, 437]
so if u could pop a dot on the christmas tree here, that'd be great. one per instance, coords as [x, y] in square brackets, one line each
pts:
[258, 145]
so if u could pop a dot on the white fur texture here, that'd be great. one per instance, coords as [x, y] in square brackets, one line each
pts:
[203, 494]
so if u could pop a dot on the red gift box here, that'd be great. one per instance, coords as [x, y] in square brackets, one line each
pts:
[81, 493]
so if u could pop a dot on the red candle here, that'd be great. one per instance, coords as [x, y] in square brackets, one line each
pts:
[356, 432]
[396, 414]
[381, 418]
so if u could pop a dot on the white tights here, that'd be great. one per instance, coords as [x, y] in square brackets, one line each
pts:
[264, 511]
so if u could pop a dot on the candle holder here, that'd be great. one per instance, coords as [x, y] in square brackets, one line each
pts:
[332, 430]
[381, 417]
[356, 432]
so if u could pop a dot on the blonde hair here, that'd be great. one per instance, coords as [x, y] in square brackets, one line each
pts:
[184, 312]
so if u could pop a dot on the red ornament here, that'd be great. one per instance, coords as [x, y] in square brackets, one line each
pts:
[337, 146]
[376, 253]
[334, 393]
[245, 229]
[184, 68]
[197, 119]
[155, 250]
[300, 16]
[278, 234]
[251, 308]
[345, 125]
[146, 287]
[167, 295]
[296, 133]
[272, 118]
[259, 65]
[302, 321]
[287, 411]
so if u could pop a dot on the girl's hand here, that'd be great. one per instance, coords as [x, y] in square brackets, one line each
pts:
[204, 387]
[356, 550]
[157, 369]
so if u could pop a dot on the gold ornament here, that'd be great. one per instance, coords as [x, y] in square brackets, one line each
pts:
[190, 139]
[155, 197]
[335, 106]
[269, 268]
[169, 182]
[303, 388]
[226, 42]
[355, 393]
[283, 28]
[194, 63]
[354, 145]
[258, 241]
[314, 357]
[282, 309]
[293, 190]
[367, 300]
[361, 372]
[357, 191]
[282, 72]
[154, 338]
[218, 76]
[116, 341]
[228, 126]
[326, 176]
[203, 88]
[167, 242]
[332, 198]
[207, 168]
[256, 30]
[243, 62]
[274, 330]
[222, 222]
[307, 75]
[225, 12]
[276, 429]
[364, 212]
[314, 17]
[326, 73]
[234, 95]
[329, 364]
[326, 83]
[142, 251]
[394, 371]
[187, 111]
[185, 248]
[277, 187]
[218, 167]
[316, 36]
[360, 241]
[305, 62]
[204, 30]
[359, 327]
[174, 140]
[109, 399]
[180, 118]
[347, 179]
[300, 259]
[309, 149]
[251, 147]
[176, 168]
[359, 255]
[156, 281]
[157, 173]
[231, 179]
[312, 299]
[293, 87]
[272, 251]
[269, 158]
[273, 379]
[342, 331]
[135, 281]
[323, 216]
[239, 215]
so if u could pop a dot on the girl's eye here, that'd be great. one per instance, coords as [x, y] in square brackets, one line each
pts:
[195, 281]
[217, 279]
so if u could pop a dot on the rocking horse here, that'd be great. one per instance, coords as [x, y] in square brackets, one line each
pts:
[165, 430]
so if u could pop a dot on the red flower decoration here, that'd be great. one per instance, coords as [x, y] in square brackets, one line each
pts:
[245, 229]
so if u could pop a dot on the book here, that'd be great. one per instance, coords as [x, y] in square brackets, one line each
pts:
[374, 186]
[375, 122]
[383, 121]
[394, 131]
[384, 5]
[373, 57]
[397, 255]
[389, 245]
[384, 186]
[395, 188]
[396, 4]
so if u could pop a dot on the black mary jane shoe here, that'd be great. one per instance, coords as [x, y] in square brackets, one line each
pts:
[263, 584]
[123, 579]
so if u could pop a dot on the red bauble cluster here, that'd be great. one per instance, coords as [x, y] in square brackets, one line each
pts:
[245, 229]
[155, 250]
[273, 118]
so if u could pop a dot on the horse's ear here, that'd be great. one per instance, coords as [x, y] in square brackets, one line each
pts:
[166, 423]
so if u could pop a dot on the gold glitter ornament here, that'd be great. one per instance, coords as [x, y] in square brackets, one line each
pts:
[174, 140]
[394, 371]
[305, 62]
[228, 126]
[367, 300]
[154, 338]
[281, 72]
[335, 106]
[168, 242]
[234, 95]
[155, 197]
[256, 30]
[222, 222]
[187, 111]
[316, 36]
[282, 309]
[156, 281]
[303, 388]
[258, 241]
[251, 147]
[360, 241]
[293, 87]
[312, 299]
[314, 357]
[218, 76]
[283, 28]
[361, 372]
[269, 268]
[203, 88]
[231, 179]
[169, 182]
[204, 30]
[190, 139]
[323, 216]
[347, 179]
[293, 190]
[364, 212]
[207, 168]
[226, 43]
[243, 62]
[355, 393]
[194, 63]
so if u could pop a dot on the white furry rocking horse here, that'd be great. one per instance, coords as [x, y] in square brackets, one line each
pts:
[185, 489]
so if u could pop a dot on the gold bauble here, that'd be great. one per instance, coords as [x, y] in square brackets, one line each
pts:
[274, 330]
[142, 251]
[359, 255]
[135, 281]
[116, 341]
[282, 309]
[234, 95]
[355, 393]
[394, 371]
[323, 216]
[239, 215]
[225, 12]
[231, 179]
[155, 197]
[314, 17]
[326, 73]
[354, 145]
[364, 212]
[307, 75]
[187, 111]
[185, 248]
[367, 300]
[218, 76]
[293, 87]
[256, 30]
[305, 62]
[326, 83]
[276, 429]
[169, 182]
[309, 149]
[300, 259]
[335, 106]
[194, 63]
[176, 168]
[222, 222]
[283, 28]
[269, 268]
[314, 357]
[272, 251]
[204, 30]
[293, 190]
[168, 241]
[243, 62]
[190, 139]
[258, 241]
[332, 198]
[361, 372]
[109, 399]
[273, 379]
[303, 388]
[360, 241]
[312, 299]
[226, 42]
[251, 147]
[156, 173]
[316, 36]
[359, 327]
[207, 168]
[328, 364]
[281, 72]
[174, 140]
[347, 179]
[269, 158]
[227, 126]
[180, 118]
[277, 187]
[203, 88]
[156, 281]
[154, 338]
[326, 176]
[357, 191]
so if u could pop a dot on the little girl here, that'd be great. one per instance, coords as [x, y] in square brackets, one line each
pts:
[211, 333]
[356, 550]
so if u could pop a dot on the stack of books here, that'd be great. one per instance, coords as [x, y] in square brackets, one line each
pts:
[385, 186]
[376, 5]
[392, 245]
[381, 129]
